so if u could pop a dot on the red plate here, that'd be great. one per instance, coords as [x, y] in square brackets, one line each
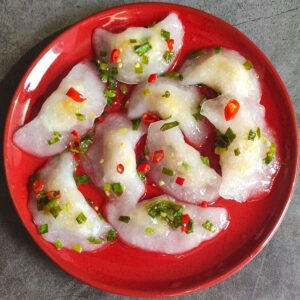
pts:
[129, 271]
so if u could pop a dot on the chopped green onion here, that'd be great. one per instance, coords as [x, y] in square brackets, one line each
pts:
[140, 50]
[198, 116]
[169, 55]
[111, 235]
[224, 140]
[103, 77]
[55, 210]
[85, 142]
[145, 59]
[149, 230]
[124, 219]
[77, 248]
[114, 72]
[132, 41]
[138, 68]
[208, 225]
[270, 154]
[251, 135]
[168, 172]
[258, 132]
[218, 50]
[58, 244]
[56, 138]
[205, 160]
[167, 94]
[237, 152]
[174, 75]
[94, 240]
[135, 124]
[186, 165]
[141, 174]
[123, 89]
[190, 227]
[81, 218]
[248, 65]
[117, 188]
[81, 179]
[146, 92]
[43, 229]
[102, 53]
[110, 93]
[80, 117]
[103, 66]
[165, 34]
[106, 187]
[169, 125]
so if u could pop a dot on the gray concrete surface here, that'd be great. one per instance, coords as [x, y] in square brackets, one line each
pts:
[26, 26]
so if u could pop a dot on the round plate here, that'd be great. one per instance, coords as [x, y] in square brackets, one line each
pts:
[119, 268]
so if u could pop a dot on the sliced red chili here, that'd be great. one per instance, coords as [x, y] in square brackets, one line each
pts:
[38, 185]
[75, 134]
[149, 118]
[180, 180]
[204, 204]
[145, 167]
[185, 220]
[157, 156]
[74, 146]
[120, 168]
[152, 77]
[170, 44]
[76, 156]
[114, 55]
[75, 95]
[231, 109]
[53, 195]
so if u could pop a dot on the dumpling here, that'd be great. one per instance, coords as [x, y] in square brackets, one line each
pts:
[111, 163]
[75, 104]
[138, 52]
[167, 97]
[177, 167]
[226, 71]
[156, 224]
[61, 211]
[246, 148]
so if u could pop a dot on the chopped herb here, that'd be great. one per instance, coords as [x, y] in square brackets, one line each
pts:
[106, 187]
[270, 154]
[140, 50]
[132, 41]
[124, 219]
[124, 89]
[165, 34]
[198, 116]
[103, 66]
[77, 248]
[174, 75]
[111, 235]
[114, 72]
[117, 188]
[94, 240]
[81, 179]
[237, 152]
[43, 229]
[149, 230]
[135, 124]
[138, 68]
[258, 132]
[55, 211]
[186, 165]
[218, 50]
[168, 172]
[224, 140]
[85, 142]
[81, 218]
[167, 94]
[169, 55]
[169, 125]
[56, 138]
[102, 53]
[208, 225]
[103, 77]
[248, 65]
[58, 244]
[141, 174]
[251, 135]
[190, 227]
[145, 59]
[205, 160]
[110, 93]
[146, 92]
[80, 117]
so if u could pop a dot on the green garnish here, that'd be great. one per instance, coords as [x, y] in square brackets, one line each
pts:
[149, 230]
[138, 68]
[205, 160]
[165, 34]
[114, 72]
[77, 248]
[43, 229]
[135, 124]
[169, 125]
[94, 240]
[208, 225]
[106, 187]
[103, 77]
[111, 235]
[141, 174]
[248, 65]
[186, 165]
[54, 211]
[124, 89]
[102, 53]
[85, 142]
[132, 41]
[167, 94]
[81, 218]
[174, 75]
[117, 188]
[140, 50]
[146, 92]
[224, 140]
[110, 93]
[81, 179]
[190, 227]
[103, 66]
[169, 55]
[146, 151]
[167, 171]
[80, 117]
[198, 116]
[270, 154]
[251, 135]
[258, 132]
[56, 138]
[124, 219]
[58, 244]
[145, 59]
[218, 50]
[237, 152]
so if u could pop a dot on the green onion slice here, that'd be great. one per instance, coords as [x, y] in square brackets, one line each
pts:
[208, 225]
[81, 218]
[169, 125]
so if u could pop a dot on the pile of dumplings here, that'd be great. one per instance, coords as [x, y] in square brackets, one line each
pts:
[81, 124]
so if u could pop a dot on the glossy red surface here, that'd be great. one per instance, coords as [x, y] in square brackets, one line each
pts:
[119, 268]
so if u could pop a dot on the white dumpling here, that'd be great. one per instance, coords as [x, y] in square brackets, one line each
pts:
[57, 117]
[155, 234]
[58, 176]
[200, 181]
[225, 72]
[182, 103]
[244, 170]
[104, 40]
[114, 144]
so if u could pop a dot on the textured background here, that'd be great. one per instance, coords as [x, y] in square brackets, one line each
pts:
[26, 27]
